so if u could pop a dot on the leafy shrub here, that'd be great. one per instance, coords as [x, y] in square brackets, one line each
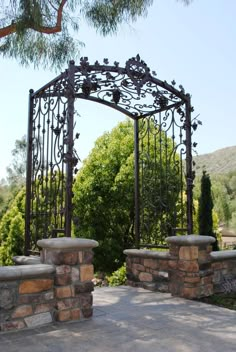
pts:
[104, 194]
[118, 277]
[12, 230]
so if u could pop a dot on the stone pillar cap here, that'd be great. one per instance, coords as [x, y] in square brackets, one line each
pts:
[190, 240]
[17, 272]
[67, 243]
[26, 260]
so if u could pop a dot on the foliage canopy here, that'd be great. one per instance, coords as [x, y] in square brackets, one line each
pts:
[104, 196]
[12, 230]
[43, 32]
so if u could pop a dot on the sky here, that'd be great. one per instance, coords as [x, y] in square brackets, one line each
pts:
[195, 45]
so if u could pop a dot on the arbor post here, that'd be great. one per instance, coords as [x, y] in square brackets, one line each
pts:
[28, 176]
[136, 190]
[189, 173]
[69, 152]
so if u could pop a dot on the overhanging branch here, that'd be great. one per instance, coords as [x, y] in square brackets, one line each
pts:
[5, 31]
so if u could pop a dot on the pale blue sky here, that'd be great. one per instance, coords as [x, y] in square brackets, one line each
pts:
[194, 45]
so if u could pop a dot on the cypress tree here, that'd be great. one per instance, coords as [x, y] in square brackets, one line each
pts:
[205, 219]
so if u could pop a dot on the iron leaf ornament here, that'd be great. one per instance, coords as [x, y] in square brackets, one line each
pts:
[138, 72]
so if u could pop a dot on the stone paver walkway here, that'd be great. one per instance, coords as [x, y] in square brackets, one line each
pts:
[129, 319]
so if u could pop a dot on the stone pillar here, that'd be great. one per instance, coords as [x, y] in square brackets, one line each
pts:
[72, 258]
[193, 275]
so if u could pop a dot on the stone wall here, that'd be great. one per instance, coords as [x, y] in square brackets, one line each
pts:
[58, 289]
[189, 269]
[148, 269]
[26, 296]
[224, 271]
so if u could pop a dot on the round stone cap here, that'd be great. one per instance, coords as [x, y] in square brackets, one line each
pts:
[26, 260]
[190, 240]
[8, 273]
[147, 254]
[223, 255]
[67, 243]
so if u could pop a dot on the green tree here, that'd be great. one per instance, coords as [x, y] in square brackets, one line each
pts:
[12, 230]
[16, 172]
[15, 176]
[42, 32]
[103, 199]
[205, 218]
[4, 196]
[232, 223]
[104, 196]
[104, 203]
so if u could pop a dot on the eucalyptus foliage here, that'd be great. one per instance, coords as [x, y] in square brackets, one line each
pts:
[44, 32]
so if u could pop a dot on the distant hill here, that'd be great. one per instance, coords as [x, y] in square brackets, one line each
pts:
[221, 161]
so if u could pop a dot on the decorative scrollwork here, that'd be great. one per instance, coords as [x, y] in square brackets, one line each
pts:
[135, 91]
[138, 72]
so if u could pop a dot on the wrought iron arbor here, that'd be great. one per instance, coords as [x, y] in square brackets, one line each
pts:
[162, 165]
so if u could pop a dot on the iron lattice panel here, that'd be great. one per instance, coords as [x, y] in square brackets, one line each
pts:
[163, 174]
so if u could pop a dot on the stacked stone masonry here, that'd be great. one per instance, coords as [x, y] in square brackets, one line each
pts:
[59, 289]
[148, 269]
[224, 271]
[190, 269]
[26, 296]
[192, 277]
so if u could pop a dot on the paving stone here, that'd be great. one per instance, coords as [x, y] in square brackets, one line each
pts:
[131, 320]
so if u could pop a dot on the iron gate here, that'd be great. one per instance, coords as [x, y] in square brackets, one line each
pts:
[162, 165]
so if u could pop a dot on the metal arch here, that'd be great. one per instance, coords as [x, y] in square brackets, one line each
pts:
[132, 90]
[96, 83]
